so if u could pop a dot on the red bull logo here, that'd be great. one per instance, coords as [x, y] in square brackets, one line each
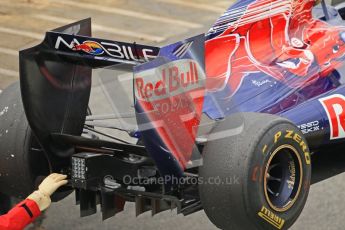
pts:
[172, 97]
[89, 47]
[168, 80]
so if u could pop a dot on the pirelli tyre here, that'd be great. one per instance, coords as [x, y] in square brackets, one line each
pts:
[256, 173]
[22, 161]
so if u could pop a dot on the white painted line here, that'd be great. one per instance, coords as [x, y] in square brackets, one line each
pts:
[97, 27]
[9, 51]
[195, 5]
[129, 13]
[22, 33]
[10, 73]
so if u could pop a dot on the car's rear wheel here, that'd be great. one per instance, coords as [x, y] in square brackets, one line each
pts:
[22, 160]
[256, 173]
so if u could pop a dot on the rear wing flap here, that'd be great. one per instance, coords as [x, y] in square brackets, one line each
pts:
[55, 78]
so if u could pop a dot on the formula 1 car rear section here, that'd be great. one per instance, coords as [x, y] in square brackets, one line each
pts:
[225, 121]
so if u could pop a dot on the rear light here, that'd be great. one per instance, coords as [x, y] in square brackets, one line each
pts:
[78, 168]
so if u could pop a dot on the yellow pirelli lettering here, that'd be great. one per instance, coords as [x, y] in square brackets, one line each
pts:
[289, 134]
[271, 218]
[297, 138]
[277, 136]
[264, 149]
[307, 158]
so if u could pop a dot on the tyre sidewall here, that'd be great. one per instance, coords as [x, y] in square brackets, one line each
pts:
[278, 135]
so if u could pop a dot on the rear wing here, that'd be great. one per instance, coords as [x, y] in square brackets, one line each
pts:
[55, 78]
[168, 91]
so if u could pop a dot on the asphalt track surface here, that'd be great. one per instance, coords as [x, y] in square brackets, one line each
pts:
[156, 22]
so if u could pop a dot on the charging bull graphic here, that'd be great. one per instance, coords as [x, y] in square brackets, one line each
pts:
[277, 38]
[89, 47]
